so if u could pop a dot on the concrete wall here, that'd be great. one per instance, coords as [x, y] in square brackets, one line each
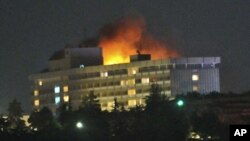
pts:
[181, 80]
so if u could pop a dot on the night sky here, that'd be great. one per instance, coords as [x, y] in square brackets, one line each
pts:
[31, 30]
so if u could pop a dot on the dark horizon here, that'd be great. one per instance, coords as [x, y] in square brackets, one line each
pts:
[32, 31]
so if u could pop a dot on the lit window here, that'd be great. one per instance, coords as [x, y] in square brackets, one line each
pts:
[131, 92]
[104, 74]
[36, 102]
[57, 100]
[131, 103]
[131, 81]
[132, 71]
[57, 89]
[123, 82]
[110, 104]
[40, 83]
[145, 80]
[195, 88]
[195, 77]
[36, 92]
[65, 89]
[140, 101]
[66, 98]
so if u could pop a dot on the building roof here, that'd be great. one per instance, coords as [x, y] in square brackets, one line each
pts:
[57, 55]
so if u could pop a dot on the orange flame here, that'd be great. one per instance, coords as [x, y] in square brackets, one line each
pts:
[125, 37]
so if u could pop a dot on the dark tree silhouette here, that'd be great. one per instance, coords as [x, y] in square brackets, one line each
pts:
[89, 113]
[65, 115]
[43, 120]
[90, 103]
[14, 116]
[163, 120]
[155, 100]
[15, 110]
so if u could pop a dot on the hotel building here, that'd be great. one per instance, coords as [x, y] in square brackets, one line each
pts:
[75, 72]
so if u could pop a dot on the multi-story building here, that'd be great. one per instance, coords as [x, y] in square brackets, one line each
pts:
[129, 83]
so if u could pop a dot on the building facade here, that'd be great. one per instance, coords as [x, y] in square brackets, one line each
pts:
[129, 83]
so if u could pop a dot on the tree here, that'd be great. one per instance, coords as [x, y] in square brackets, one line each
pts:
[118, 107]
[15, 114]
[163, 120]
[65, 114]
[155, 100]
[89, 113]
[206, 123]
[90, 103]
[43, 120]
[15, 110]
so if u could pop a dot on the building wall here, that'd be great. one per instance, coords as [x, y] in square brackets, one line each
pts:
[75, 57]
[129, 83]
[182, 80]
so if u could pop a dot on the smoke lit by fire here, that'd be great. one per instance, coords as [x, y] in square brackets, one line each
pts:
[125, 37]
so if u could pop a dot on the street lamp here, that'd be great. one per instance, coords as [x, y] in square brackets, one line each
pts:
[180, 103]
[79, 125]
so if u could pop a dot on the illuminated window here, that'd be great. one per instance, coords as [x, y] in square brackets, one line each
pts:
[40, 83]
[140, 101]
[131, 92]
[104, 74]
[57, 89]
[66, 98]
[65, 89]
[145, 80]
[195, 77]
[132, 71]
[57, 100]
[110, 104]
[123, 82]
[131, 81]
[195, 88]
[127, 82]
[36, 92]
[36, 102]
[131, 103]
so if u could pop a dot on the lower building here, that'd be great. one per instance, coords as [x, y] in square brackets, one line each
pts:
[129, 83]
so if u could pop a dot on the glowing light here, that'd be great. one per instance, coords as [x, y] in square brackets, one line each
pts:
[132, 103]
[81, 66]
[195, 88]
[104, 74]
[57, 89]
[36, 102]
[131, 92]
[40, 83]
[131, 81]
[115, 59]
[79, 125]
[66, 98]
[125, 37]
[180, 103]
[195, 77]
[65, 88]
[132, 71]
[145, 80]
[36, 92]
[110, 104]
[57, 100]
